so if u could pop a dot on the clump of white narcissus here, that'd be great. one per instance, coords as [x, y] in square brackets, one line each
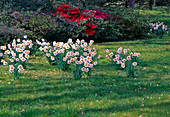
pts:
[16, 55]
[80, 55]
[158, 28]
[124, 59]
[2, 48]
[55, 53]
[83, 57]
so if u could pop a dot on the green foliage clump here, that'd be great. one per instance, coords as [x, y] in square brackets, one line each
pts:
[31, 5]
[121, 23]
[129, 23]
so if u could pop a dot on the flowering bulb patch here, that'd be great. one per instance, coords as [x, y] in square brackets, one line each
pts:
[158, 28]
[83, 57]
[1, 55]
[124, 59]
[80, 55]
[16, 55]
[56, 53]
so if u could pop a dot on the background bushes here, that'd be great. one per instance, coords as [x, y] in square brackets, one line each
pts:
[35, 20]
[32, 5]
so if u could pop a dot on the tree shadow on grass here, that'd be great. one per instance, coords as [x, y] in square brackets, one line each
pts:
[126, 43]
[40, 66]
[85, 89]
[65, 90]
[50, 111]
[120, 108]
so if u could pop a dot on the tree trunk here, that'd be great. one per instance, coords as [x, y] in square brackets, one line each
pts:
[154, 3]
[150, 4]
[126, 3]
[141, 3]
[132, 3]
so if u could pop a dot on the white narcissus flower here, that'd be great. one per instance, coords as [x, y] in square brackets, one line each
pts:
[20, 67]
[107, 50]
[82, 41]
[18, 40]
[69, 62]
[107, 56]
[123, 65]
[131, 53]
[70, 40]
[40, 48]
[3, 47]
[115, 59]
[125, 51]
[42, 40]
[48, 55]
[14, 40]
[138, 54]
[13, 44]
[91, 42]
[27, 56]
[128, 57]
[23, 41]
[25, 36]
[11, 60]
[117, 56]
[64, 59]
[83, 69]
[78, 41]
[5, 63]
[11, 67]
[87, 69]
[52, 58]
[135, 54]
[99, 57]
[119, 50]
[61, 44]
[95, 63]
[124, 60]
[111, 54]
[2, 60]
[11, 70]
[9, 46]
[1, 54]
[119, 62]
[17, 59]
[134, 63]
[23, 59]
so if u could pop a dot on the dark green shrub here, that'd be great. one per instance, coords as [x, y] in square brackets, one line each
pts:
[105, 30]
[7, 34]
[128, 22]
[31, 5]
[122, 24]
[158, 28]
[40, 25]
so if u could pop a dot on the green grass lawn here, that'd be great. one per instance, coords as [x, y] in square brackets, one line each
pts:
[43, 91]
[161, 13]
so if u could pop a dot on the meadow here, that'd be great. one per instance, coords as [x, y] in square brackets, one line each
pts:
[43, 90]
